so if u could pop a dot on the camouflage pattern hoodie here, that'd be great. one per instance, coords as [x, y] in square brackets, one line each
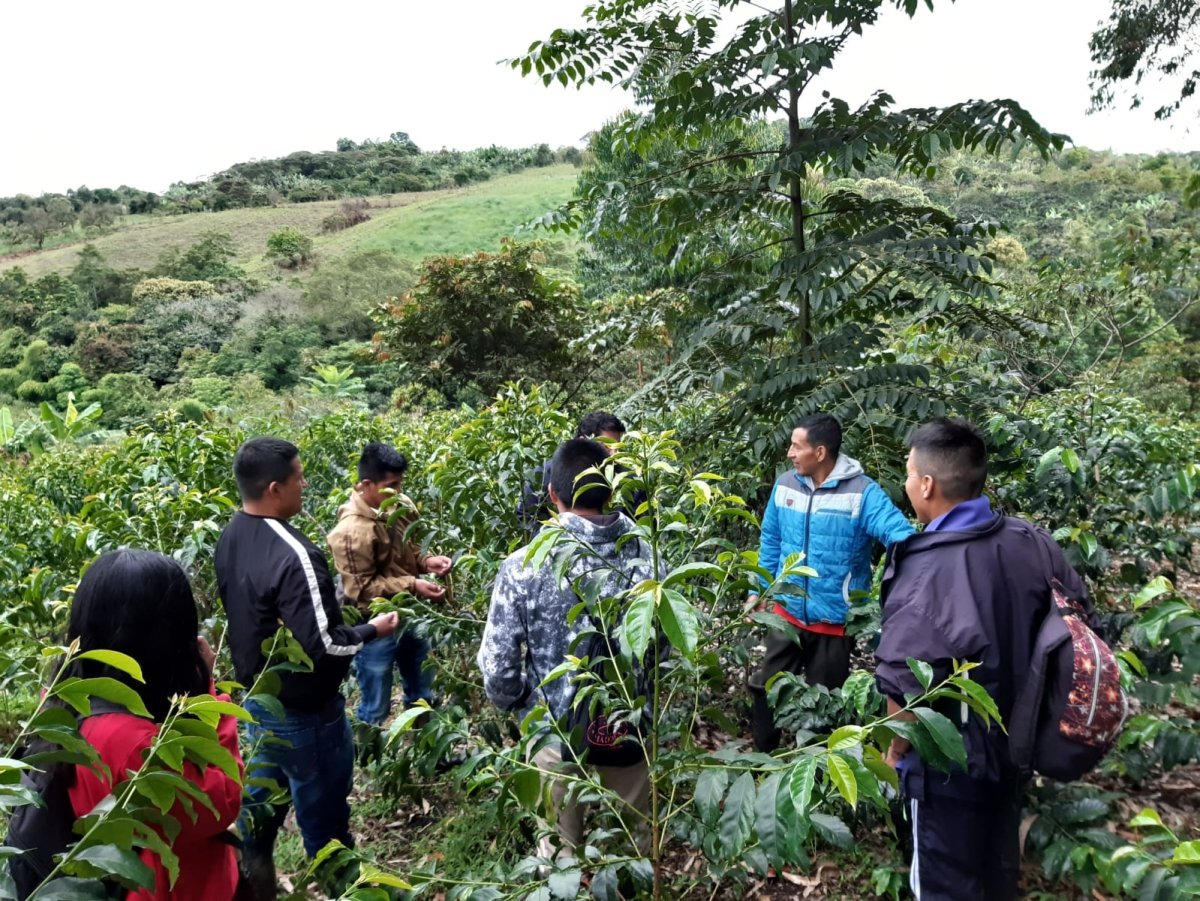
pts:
[527, 634]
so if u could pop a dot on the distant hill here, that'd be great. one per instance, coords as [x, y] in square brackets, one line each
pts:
[411, 225]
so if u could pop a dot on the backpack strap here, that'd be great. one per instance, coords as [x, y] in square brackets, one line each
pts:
[1027, 706]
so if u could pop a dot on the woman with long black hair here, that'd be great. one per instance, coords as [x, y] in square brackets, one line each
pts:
[140, 603]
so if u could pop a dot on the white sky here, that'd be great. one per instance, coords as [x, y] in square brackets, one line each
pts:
[146, 93]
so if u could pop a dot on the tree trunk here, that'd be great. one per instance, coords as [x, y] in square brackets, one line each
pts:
[795, 181]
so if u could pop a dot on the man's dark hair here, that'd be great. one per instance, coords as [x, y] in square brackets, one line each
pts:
[594, 423]
[954, 453]
[261, 461]
[572, 458]
[822, 430]
[378, 461]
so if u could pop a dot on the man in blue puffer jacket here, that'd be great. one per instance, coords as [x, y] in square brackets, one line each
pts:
[830, 512]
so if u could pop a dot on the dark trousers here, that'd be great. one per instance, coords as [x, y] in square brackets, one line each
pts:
[965, 849]
[820, 659]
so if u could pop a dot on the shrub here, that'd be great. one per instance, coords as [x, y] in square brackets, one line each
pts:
[473, 323]
[33, 392]
[70, 380]
[212, 390]
[12, 346]
[191, 409]
[10, 379]
[123, 396]
[103, 354]
[155, 290]
[290, 248]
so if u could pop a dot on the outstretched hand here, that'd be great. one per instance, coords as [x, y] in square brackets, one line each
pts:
[431, 591]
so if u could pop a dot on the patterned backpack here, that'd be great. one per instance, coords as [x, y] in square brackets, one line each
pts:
[1071, 710]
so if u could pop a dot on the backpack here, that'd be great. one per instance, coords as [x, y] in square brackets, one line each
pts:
[594, 739]
[1070, 710]
[44, 831]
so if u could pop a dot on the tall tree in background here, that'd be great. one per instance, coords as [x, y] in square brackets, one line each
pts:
[809, 270]
[1143, 39]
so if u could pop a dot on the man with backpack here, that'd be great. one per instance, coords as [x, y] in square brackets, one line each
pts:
[976, 586]
[530, 630]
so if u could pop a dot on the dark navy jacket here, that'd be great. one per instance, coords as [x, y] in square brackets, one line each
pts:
[978, 594]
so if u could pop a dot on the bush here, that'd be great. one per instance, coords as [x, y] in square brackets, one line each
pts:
[473, 323]
[124, 396]
[10, 379]
[191, 409]
[212, 390]
[290, 248]
[33, 392]
[156, 290]
[70, 380]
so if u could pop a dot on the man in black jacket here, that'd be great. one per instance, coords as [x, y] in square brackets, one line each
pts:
[973, 586]
[269, 573]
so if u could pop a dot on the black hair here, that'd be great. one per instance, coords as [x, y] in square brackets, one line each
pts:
[594, 423]
[261, 461]
[140, 603]
[822, 430]
[954, 453]
[378, 461]
[572, 458]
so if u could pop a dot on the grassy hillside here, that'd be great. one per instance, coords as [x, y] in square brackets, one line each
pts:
[412, 225]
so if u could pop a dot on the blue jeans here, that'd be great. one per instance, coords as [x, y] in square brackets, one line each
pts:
[373, 665]
[312, 755]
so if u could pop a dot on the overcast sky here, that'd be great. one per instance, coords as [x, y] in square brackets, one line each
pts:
[146, 93]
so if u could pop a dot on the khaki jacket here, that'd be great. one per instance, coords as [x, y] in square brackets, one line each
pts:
[374, 559]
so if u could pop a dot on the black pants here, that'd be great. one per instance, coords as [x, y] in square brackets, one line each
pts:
[821, 659]
[965, 849]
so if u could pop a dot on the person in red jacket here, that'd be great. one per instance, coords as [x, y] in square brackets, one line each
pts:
[140, 603]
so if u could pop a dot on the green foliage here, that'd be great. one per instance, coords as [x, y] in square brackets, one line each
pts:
[473, 323]
[209, 259]
[1145, 41]
[172, 326]
[799, 273]
[329, 381]
[153, 291]
[191, 410]
[69, 382]
[340, 294]
[290, 248]
[124, 397]
[33, 392]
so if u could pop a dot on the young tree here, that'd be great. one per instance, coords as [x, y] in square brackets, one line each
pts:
[806, 273]
[473, 323]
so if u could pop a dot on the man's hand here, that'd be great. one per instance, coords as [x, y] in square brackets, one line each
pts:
[754, 605]
[206, 653]
[431, 591]
[386, 623]
[895, 754]
[438, 565]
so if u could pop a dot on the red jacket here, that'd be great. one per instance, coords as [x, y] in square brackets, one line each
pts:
[207, 864]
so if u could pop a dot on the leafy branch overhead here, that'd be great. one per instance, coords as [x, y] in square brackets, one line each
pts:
[728, 171]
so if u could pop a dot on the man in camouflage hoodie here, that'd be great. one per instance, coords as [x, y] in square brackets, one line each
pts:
[528, 633]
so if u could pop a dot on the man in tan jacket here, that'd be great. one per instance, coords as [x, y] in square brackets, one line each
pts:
[376, 559]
